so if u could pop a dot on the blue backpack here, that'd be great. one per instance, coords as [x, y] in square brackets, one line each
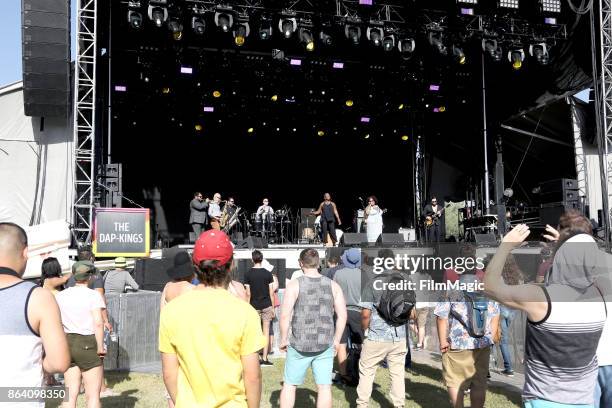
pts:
[477, 308]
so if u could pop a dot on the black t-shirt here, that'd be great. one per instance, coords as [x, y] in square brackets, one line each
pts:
[259, 280]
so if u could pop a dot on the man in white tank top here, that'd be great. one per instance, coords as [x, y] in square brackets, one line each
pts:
[30, 324]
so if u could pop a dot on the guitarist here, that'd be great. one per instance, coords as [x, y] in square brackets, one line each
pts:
[433, 213]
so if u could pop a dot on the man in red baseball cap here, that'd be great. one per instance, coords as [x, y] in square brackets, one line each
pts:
[210, 358]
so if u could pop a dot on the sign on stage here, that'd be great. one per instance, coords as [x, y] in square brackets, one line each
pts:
[121, 232]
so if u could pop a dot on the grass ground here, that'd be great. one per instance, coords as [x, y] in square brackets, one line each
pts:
[423, 389]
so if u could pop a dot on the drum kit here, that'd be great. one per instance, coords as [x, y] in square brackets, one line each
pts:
[275, 227]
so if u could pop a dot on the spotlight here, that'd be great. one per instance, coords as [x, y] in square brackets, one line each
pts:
[388, 42]
[459, 55]
[550, 6]
[165, 90]
[540, 53]
[349, 103]
[216, 94]
[274, 98]
[198, 127]
[353, 33]
[135, 19]
[325, 35]
[306, 38]
[436, 40]
[509, 4]
[176, 28]
[321, 133]
[241, 31]
[406, 47]
[198, 25]
[224, 19]
[265, 28]
[158, 14]
[287, 26]
[405, 138]
[516, 57]
[467, 1]
[250, 130]
[375, 35]
[492, 47]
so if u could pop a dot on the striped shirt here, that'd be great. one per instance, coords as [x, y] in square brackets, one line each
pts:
[560, 361]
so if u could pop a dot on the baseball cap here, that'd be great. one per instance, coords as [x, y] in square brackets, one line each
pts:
[213, 245]
[83, 270]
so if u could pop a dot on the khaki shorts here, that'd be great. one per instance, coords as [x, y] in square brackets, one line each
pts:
[460, 368]
[421, 316]
[267, 314]
[83, 351]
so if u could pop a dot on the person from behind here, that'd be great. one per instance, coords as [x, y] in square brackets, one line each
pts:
[31, 332]
[51, 275]
[182, 273]
[118, 279]
[210, 358]
[512, 276]
[259, 285]
[308, 309]
[569, 306]
[422, 308]
[467, 323]
[81, 310]
[334, 264]
[349, 280]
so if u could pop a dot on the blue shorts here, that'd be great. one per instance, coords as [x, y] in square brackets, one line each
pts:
[550, 404]
[297, 363]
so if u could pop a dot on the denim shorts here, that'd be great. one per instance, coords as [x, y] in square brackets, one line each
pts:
[297, 363]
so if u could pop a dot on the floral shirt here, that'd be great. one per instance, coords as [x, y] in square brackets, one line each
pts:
[458, 336]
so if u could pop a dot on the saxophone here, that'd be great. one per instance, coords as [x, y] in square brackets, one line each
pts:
[224, 216]
[231, 221]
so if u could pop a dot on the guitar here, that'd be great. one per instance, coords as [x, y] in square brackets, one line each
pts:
[430, 219]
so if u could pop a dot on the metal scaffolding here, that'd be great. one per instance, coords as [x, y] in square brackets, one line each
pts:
[84, 120]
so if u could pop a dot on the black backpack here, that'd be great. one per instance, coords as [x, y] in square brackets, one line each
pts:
[395, 306]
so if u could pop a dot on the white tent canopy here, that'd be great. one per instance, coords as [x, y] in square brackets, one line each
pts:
[36, 163]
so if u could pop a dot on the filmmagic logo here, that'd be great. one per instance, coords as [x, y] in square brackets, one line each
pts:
[430, 285]
[413, 264]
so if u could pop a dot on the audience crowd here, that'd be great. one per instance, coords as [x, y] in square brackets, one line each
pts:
[327, 312]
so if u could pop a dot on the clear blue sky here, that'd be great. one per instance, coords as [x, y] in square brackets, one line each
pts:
[10, 40]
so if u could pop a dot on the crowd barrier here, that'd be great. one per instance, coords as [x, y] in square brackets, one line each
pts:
[135, 319]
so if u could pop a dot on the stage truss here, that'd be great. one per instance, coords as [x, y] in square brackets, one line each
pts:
[84, 119]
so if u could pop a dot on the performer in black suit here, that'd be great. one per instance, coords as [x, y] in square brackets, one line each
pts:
[433, 213]
[198, 217]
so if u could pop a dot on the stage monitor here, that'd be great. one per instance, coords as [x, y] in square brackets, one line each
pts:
[354, 239]
[391, 240]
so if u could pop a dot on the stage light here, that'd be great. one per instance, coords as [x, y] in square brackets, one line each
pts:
[198, 25]
[265, 28]
[120, 88]
[166, 90]
[434, 87]
[216, 94]
[295, 62]
[325, 37]
[176, 28]
[158, 14]
[198, 127]
[366, 136]
[366, 2]
[375, 35]
[365, 119]
[224, 20]
[186, 70]
[540, 53]
[400, 107]
[349, 102]
[550, 6]
[250, 130]
[287, 25]
[353, 33]
[389, 42]
[510, 4]
[467, 1]
[405, 138]
[436, 40]
[209, 109]
[307, 39]
[241, 32]
[516, 57]
[442, 109]
[550, 21]
[135, 19]
[321, 133]
[492, 48]
[274, 98]
[406, 47]
[338, 65]
[459, 55]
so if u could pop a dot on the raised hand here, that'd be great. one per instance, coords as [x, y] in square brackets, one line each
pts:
[553, 234]
[517, 235]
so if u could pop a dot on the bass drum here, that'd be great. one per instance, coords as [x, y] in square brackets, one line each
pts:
[308, 233]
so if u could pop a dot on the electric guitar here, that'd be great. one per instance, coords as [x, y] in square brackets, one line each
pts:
[430, 219]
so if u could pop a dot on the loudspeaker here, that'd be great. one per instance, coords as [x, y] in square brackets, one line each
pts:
[485, 239]
[45, 27]
[557, 196]
[391, 240]
[251, 242]
[354, 239]
[551, 212]
[558, 185]
[150, 274]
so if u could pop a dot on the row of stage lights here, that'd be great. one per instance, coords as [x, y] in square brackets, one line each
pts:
[379, 35]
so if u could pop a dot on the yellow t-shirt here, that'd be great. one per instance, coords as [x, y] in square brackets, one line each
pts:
[209, 330]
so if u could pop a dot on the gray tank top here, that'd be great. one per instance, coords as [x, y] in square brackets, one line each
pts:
[312, 325]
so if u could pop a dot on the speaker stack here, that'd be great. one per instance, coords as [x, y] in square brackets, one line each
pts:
[45, 29]
[557, 196]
